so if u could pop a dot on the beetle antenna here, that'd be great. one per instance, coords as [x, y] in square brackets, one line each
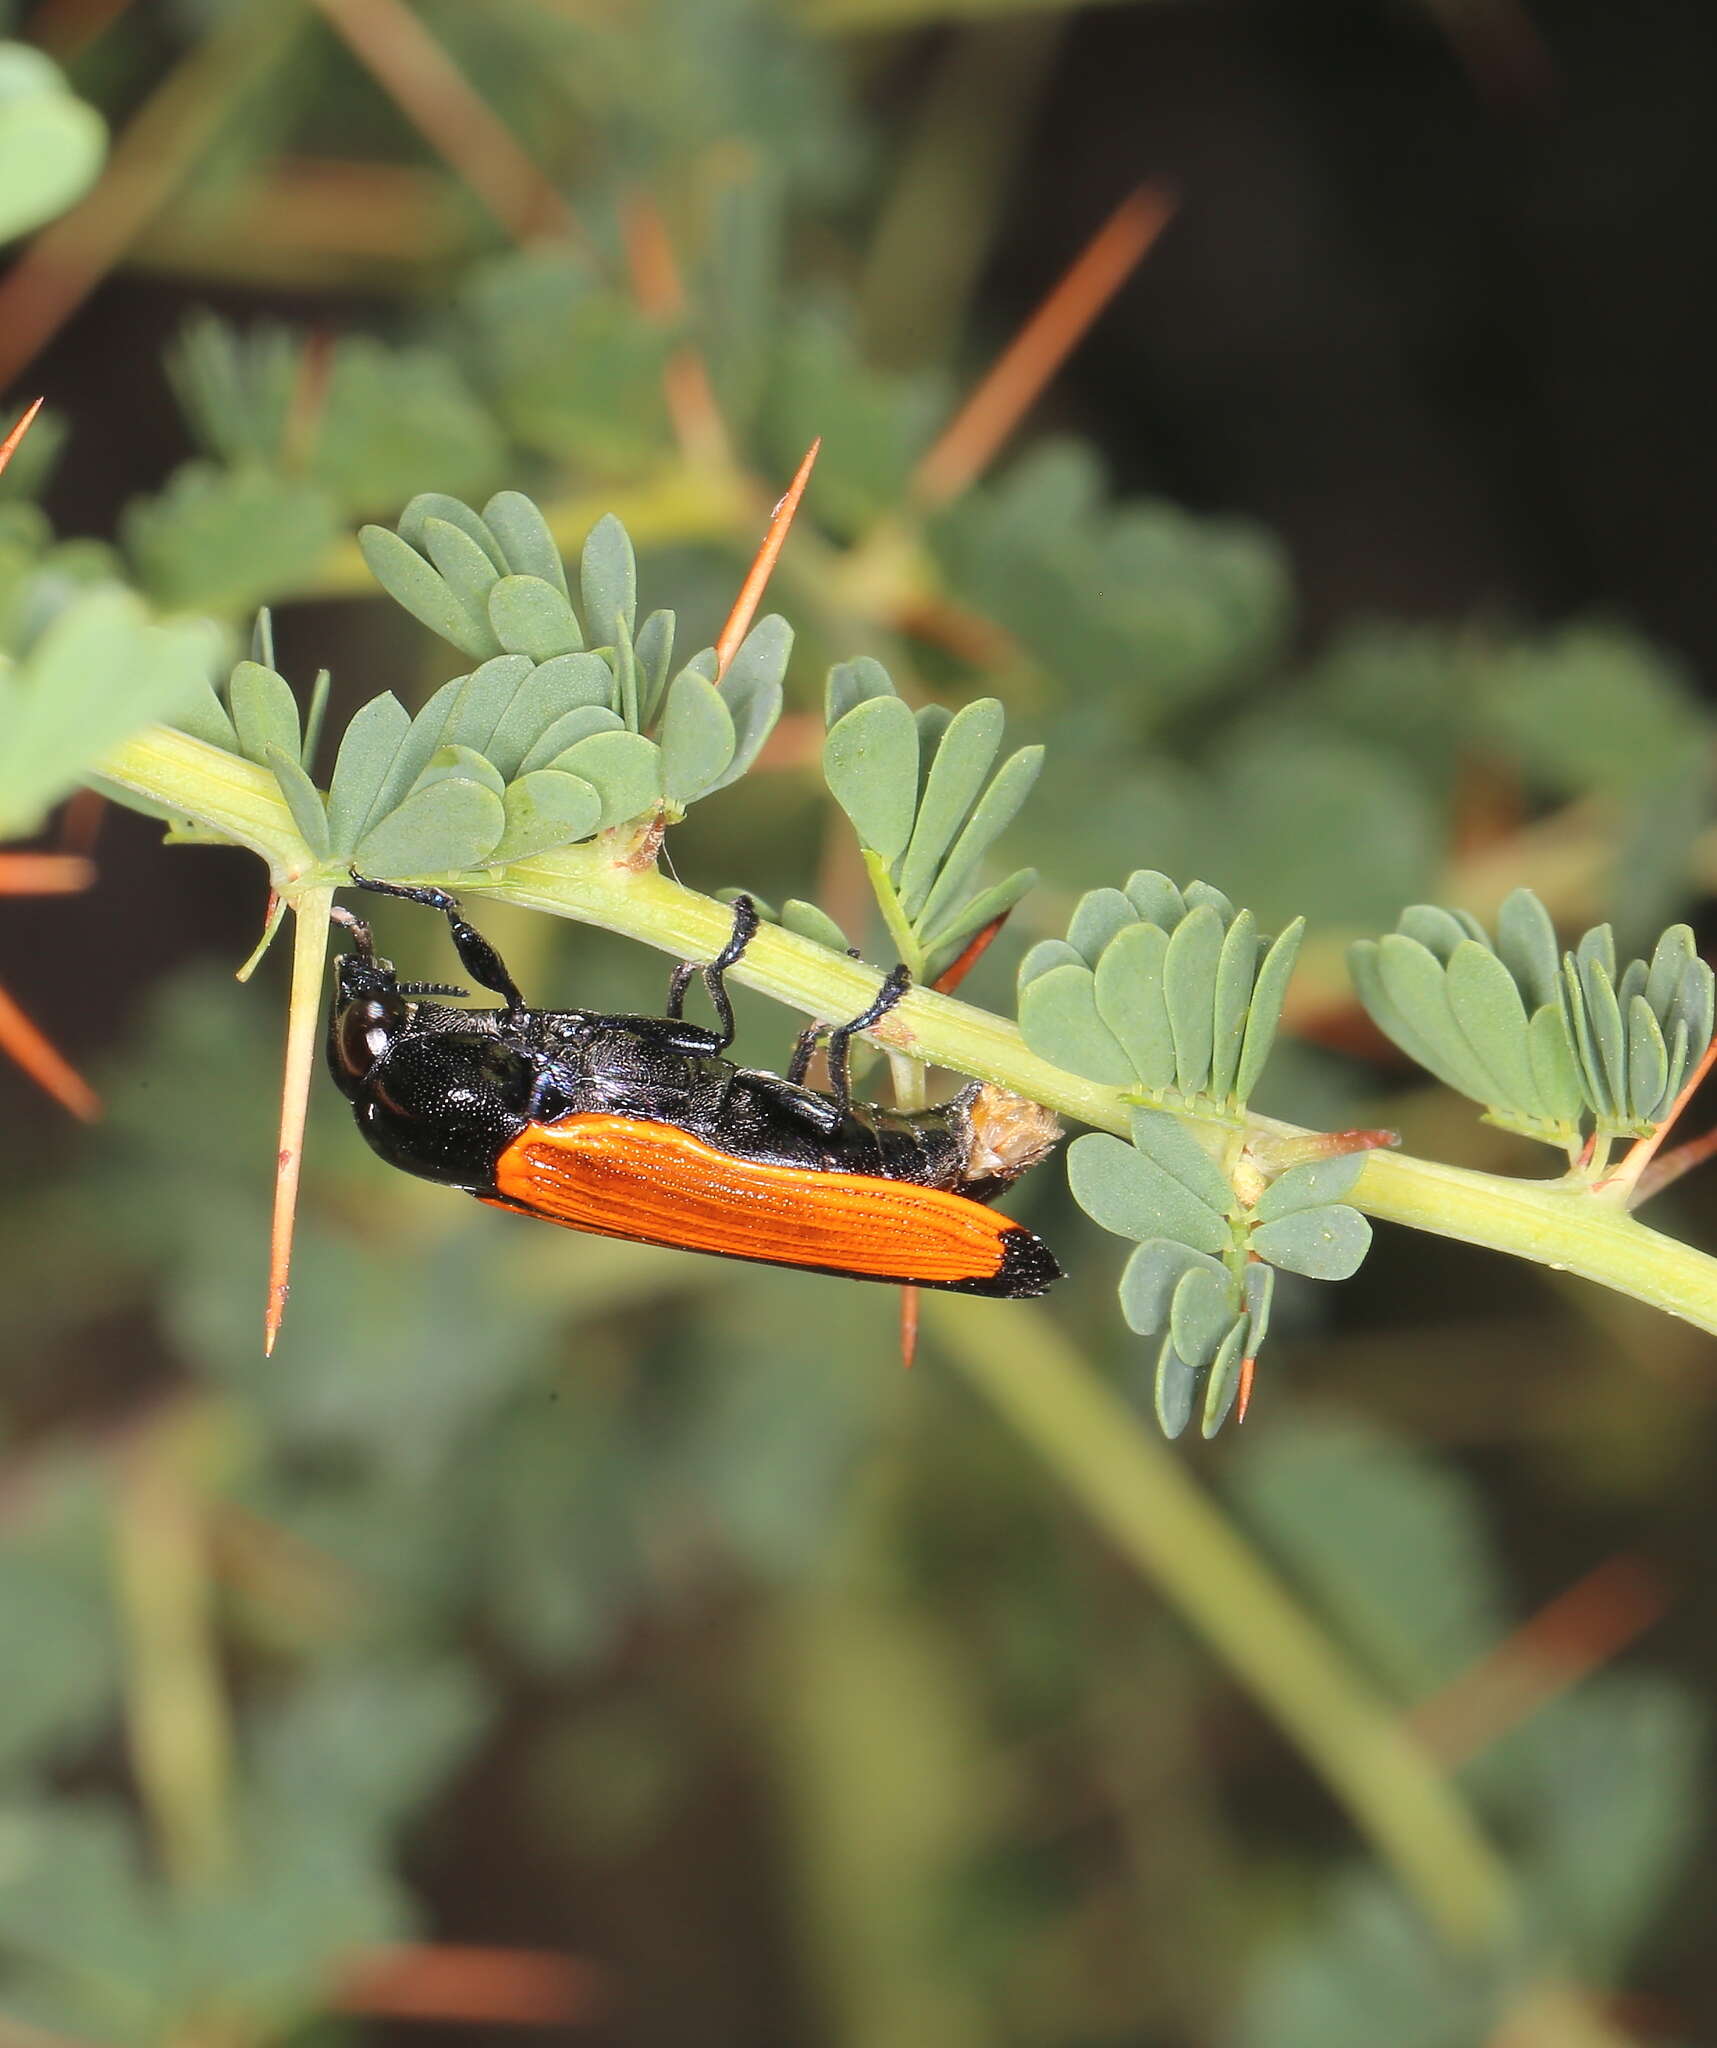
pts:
[478, 958]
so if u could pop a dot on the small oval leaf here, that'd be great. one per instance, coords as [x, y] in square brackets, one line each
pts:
[870, 762]
[1324, 1244]
[367, 748]
[1151, 1275]
[696, 739]
[1058, 1020]
[1200, 1316]
[608, 583]
[623, 767]
[533, 617]
[522, 534]
[410, 581]
[451, 824]
[1176, 1390]
[546, 809]
[1189, 993]
[1132, 1196]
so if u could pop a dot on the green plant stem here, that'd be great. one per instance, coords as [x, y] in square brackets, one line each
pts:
[176, 1713]
[1564, 1228]
[1141, 1494]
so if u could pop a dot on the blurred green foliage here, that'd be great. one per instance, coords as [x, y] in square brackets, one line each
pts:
[784, 1684]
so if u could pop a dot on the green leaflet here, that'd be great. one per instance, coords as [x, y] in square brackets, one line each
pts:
[1265, 1012]
[1155, 898]
[455, 763]
[411, 582]
[1486, 1004]
[264, 711]
[566, 731]
[870, 762]
[223, 539]
[100, 670]
[448, 824]
[1526, 945]
[1223, 1386]
[1555, 1070]
[963, 758]
[536, 706]
[1152, 1273]
[697, 739]
[1130, 1194]
[1200, 1316]
[1260, 1287]
[943, 946]
[1058, 1020]
[1648, 1063]
[653, 651]
[993, 813]
[1170, 1144]
[1235, 967]
[413, 527]
[483, 700]
[608, 583]
[1130, 1001]
[1098, 917]
[467, 568]
[1189, 974]
[51, 142]
[367, 749]
[1324, 1243]
[752, 691]
[523, 537]
[852, 683]
[303, 799]
[811, 923]
[1176, 1389]
[623, 767]
[531, 616]
[545, 809]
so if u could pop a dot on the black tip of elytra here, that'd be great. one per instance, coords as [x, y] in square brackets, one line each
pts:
[1028, 1267]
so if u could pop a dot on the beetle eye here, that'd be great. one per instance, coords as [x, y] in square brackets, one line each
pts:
[368, 1026]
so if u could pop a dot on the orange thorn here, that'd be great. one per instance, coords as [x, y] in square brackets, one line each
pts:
[976, 947]
[757, 576]
[44, 1063]
[307, 405]
[1565, 1641]
[493, 1986]
[1639, 1155]
[656, 285]
[970, 441]
[66, 28]
[1243, 1400]
[908, 1326]
[417, 74]
[9, 447]
[44, 874]
[80, 821]
[1670, 1166]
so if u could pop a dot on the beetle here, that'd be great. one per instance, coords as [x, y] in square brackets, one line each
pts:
[640, 1128]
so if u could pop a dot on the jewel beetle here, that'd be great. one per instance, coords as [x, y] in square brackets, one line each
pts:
[640, 1128]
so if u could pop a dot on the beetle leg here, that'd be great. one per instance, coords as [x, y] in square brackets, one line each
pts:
[479, 959]
[840, 1084]
[804, 1046]
[745, 923]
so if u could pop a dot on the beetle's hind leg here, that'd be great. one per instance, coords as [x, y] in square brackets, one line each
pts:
[840, 1038]
[745, 923]
[478, 958]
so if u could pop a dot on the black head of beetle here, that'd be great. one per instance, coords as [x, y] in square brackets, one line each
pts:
[437, 1092]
